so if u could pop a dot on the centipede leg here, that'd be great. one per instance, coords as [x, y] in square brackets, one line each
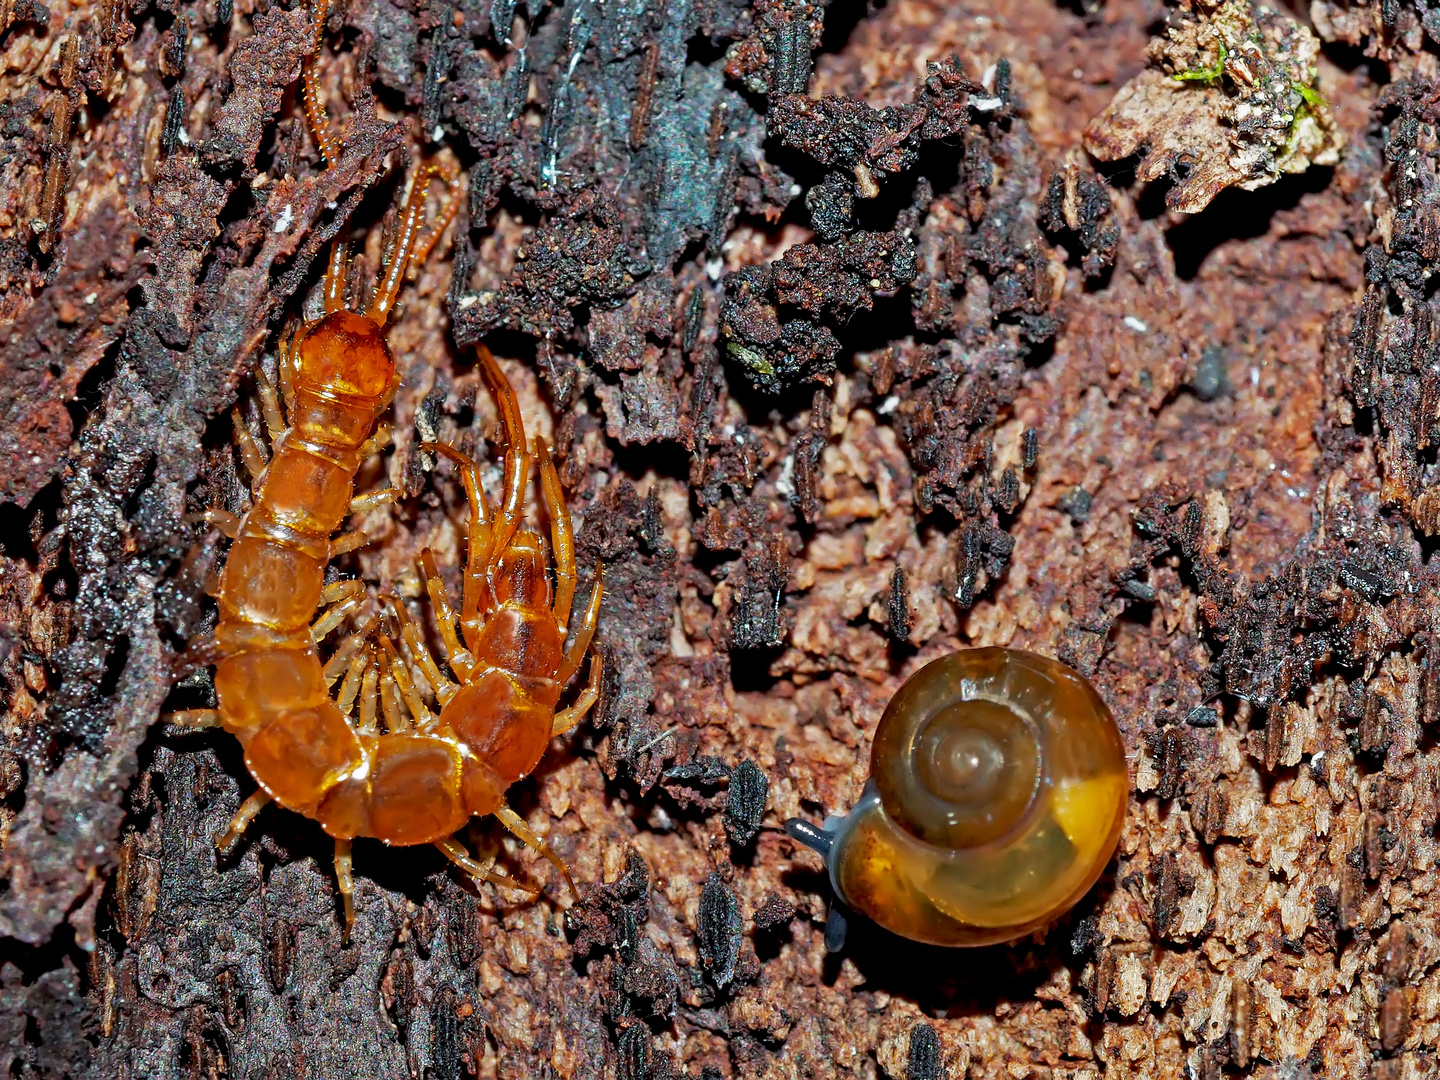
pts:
[349, 645]
[562, 535]
[335, 274]
[444, 689]
[586, 633]
[269, 407]
[345, 879]
[250, 452]
[371, 499]
[377, 442]
[455, 851]
[349, 542]
[565, 719]
[460, 659]
[405, 687]
[194, 719]
[286, 364]
[226, 841]
[226, 522]
[527, 836]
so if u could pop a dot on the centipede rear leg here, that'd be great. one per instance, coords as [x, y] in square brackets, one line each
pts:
[562, 535]
[517, 464]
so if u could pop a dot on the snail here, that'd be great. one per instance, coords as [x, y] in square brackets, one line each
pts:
[996, 795]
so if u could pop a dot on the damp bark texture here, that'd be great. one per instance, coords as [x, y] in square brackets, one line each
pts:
[851, 355]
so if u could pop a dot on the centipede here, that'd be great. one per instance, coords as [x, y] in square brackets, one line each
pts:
[350, 740]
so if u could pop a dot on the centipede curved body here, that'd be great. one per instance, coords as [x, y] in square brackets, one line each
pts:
[422, 776]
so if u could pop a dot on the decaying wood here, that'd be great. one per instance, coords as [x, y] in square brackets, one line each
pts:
[851, 356]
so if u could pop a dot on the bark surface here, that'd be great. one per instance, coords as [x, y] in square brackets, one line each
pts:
[851, 356]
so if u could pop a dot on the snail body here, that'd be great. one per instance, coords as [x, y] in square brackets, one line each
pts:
[996, 796]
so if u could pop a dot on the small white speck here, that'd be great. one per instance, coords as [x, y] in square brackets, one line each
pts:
[1078, 73]
[889, 405]
[987, 80]
[1317, 758]
[37, 460]
[1254, 376]
[437, 134]
[92, 298]
[287, 216]
[714, 268]
[467, 301]
[184, 137]
[331, 205]
[787, 472]
[1135, 324]
[985, 104]
[261, 179]
[795, 190]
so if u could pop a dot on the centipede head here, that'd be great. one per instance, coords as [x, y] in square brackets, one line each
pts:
[344, 355]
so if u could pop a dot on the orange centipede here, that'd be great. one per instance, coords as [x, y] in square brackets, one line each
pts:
[375, 760]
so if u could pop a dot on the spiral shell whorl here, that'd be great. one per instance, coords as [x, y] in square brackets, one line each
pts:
[998, 789]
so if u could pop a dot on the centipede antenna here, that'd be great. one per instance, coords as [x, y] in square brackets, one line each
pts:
[408, 245]
[310, 89]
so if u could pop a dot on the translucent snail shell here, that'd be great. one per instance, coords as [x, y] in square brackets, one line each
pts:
[997, 791]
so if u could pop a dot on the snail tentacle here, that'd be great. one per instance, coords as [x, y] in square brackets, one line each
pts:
[814, 837]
